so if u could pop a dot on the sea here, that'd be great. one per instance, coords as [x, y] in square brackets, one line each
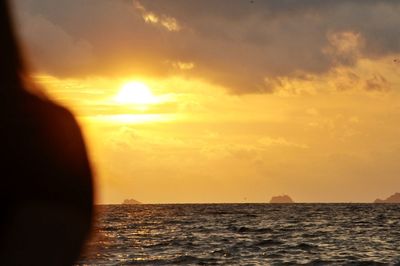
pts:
[245, 234]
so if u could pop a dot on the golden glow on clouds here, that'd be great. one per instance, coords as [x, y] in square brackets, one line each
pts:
[167, 22]
[126, 119]
[171, 102]
[345, 43]
[195, 142]
[183, 65]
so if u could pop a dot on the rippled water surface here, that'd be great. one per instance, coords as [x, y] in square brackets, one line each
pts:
[246, 234]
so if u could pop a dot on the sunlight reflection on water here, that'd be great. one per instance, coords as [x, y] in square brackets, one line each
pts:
[259, 234]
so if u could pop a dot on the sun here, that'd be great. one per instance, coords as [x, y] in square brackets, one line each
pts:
[135, 93]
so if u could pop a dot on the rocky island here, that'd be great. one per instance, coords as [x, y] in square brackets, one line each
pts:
[130, 202]
[395, 198]
[281, 199]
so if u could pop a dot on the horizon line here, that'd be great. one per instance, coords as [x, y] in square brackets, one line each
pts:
[215, 203]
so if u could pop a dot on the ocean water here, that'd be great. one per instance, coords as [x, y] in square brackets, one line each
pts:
[246, 234]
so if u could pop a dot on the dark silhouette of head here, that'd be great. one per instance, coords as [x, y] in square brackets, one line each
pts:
[11, 68]
[46, 192]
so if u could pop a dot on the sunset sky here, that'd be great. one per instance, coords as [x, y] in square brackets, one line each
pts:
[229, 100]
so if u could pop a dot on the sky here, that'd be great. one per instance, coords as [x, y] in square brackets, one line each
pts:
[186, 101]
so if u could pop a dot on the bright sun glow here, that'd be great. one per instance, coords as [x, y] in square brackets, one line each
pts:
[135, 93]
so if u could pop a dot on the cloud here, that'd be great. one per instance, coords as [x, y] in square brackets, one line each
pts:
[376, 83]
[232, 43]
[51, 47]
[344, 46]
[268, 141]
[169, 23]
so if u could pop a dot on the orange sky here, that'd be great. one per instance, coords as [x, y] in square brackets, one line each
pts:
[235, 103]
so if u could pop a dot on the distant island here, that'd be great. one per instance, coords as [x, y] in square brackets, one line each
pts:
[131, 202]
[281, 199]
[395, 198]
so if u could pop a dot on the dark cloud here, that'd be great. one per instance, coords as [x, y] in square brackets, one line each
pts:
[377, 83]
[234, 43]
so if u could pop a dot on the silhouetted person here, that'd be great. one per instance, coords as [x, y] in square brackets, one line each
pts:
[46, 191]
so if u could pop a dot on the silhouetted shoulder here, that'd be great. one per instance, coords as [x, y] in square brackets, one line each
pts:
[49, 183]
[64, 143]
[44, 110]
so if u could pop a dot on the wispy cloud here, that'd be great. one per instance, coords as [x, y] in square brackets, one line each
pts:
[169, 23]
